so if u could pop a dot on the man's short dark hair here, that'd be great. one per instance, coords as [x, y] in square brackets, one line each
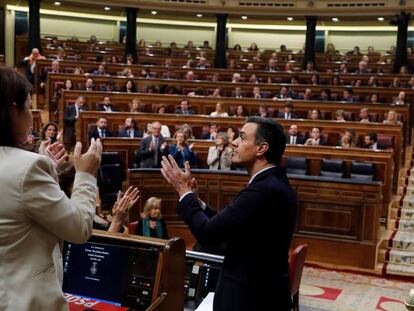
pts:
[372, 136]
[288, 104]
[271, 132]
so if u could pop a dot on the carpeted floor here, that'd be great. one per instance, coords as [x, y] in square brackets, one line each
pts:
[327, 290]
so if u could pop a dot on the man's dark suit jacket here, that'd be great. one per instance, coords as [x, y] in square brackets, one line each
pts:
[95, 134]
[300, 139]
[257, 226]
[69, 119]
[179, 111]
[100, 107]
[124, 133]
[146, 156]
[281, 115]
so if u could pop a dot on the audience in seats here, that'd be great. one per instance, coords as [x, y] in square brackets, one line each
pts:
[348, 95]
[101, 129]
[212, 132]
[152, 148]
[315, 138]
[373, 99]
[236, 78]
[370, 141]
[184, 108]
[325, 95]
[219, 112]
[315, 114]
[272, 65]
[70, 117]
[263, 112]
[130, 129]
[348, 139]
[310, 67]
[182, 151]
[219, 156]
[151, 223]
[283, 93]
[202, 63]
[392, 118]
[287, 112]
[106, 105]
[101, 71]
[362, 67]
[135, 105]
[364, 116]
[109, 86]
[129, 87]
[293, 137]
[88, 86]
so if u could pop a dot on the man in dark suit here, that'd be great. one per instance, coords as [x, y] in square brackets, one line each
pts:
[258, 221]
[184, 108]
[106, 105]
[316, 138]
[130, 129]
[152, 148]
[101, 130]
[70, 116]
[287, 112]
[293, 137]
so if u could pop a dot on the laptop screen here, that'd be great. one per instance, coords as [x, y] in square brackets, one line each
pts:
[115, 273]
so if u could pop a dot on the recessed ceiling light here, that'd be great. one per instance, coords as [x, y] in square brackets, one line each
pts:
[381, 19]
[199, 15]
[57, 3]
[107, 8]
[335, 19]
[244, 17]
[154, 12]
[290, 18]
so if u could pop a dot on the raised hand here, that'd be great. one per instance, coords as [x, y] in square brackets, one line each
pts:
[55, 152]
[89, 161]
[181, 181]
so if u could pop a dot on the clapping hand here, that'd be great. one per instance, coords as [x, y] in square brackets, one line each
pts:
[181, 181]
[121, 208]
[55, 152]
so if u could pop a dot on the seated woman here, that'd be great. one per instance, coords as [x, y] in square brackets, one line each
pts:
[181, 151]
[391, 118]
[219, 156]
[348, 139]
[152, 224]
[219, 112]
[50, 132]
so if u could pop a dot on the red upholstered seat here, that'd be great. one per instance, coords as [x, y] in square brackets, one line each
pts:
[296, 263]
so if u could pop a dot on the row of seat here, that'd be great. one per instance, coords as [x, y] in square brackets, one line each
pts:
[363, 171]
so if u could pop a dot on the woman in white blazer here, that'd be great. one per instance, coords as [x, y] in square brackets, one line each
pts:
[35, 215]
[219, 156]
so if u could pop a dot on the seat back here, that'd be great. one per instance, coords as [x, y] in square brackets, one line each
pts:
[132, 227]
[332, 168]
[296, 165]
[109, 183]
[362, 171]
[385, 141]
[296, 264]
[110, 157]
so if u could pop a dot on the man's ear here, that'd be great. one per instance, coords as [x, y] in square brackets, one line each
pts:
[262, 148]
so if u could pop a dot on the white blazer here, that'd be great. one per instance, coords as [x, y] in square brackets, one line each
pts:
[213, 159]
[34, 216]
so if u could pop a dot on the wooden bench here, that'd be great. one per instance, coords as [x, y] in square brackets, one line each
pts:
[332, 214]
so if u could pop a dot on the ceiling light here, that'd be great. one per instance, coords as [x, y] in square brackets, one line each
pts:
[244, 17]
[199, 15]
[107, 8]
[290, 18]
[57, 3]
[154, 12]
[335, 19]
[381, 19]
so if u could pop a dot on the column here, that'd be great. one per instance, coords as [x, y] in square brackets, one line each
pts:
[34, 26]
[131, 32]
[401, 20]
[2, 31]
[310, 40]
[221, 42]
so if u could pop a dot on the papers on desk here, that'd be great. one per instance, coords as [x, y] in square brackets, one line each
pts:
[207, 304]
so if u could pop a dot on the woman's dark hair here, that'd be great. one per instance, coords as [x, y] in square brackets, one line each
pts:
[271, 132]
[45, 129]
[14, 89]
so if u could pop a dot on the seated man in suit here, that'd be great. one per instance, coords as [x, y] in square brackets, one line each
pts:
[212, 134]
[370, 141]
[152, 148]
[287, 112]
[293, 137]
[184, 107]
[88, 86]
[130, 129]
[55, 69]
[106, 105]
[267, 197]
[101, 130]
[315, 138]
[70, 116]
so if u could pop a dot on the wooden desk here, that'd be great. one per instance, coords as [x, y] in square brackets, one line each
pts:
[343, 233]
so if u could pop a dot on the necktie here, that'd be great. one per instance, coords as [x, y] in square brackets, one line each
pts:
[103, 133]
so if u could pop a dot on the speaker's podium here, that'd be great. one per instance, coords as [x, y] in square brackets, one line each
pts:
[124, 272]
